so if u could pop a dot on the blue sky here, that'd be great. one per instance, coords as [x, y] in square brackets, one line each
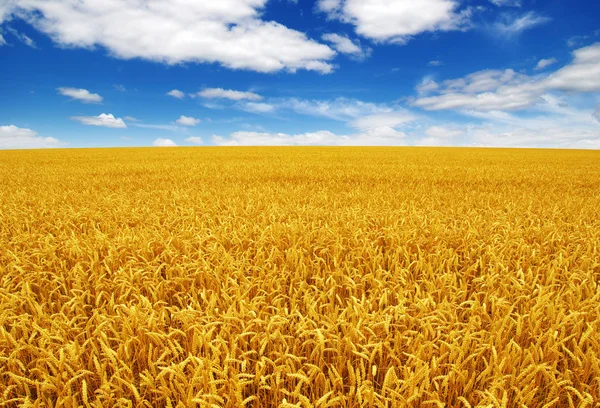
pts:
[99, 73]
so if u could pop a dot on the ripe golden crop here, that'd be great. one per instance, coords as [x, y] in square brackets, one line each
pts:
[300, 277]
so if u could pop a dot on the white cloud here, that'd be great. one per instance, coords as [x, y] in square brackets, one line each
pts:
[2, 40]
[427, 85]
[552, 123]
[120, 88]
[486, 80]
[435, 63]
[220, 93]
[541, 137]
[582, 75]
[365, 116]
[442, 132]
[396, 21]
[13, 137]
[568, 129]
[596, 114]
[492, 90]
[82, 95]
[372, 137]
[195, 140]
[105, 120]
[483, 90]
[440, 136]
[6, 7]
[345, 45]
[383, 120]
[509, 3]
[543, 63]
[552, 112]
[131, 119]
[227, 32]
[187, 121]
[506, 99]
[176, 93]
[343, 109]
[160, 142]
[257, 107]
[513, 25]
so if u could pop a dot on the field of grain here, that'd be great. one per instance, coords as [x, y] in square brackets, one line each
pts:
[299, 277]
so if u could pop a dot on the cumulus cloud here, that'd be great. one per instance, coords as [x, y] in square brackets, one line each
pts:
[160, 142]
[345, 45]
[228, 32]
[105, 120]
[176, 93]
[544, 63]
[396, 21]
[6, 7]
[372, 137]
[582, 75]
[187, 121]
[513, 25]
[82, 95]
[195, 140]
[220, 93]
[13, 137]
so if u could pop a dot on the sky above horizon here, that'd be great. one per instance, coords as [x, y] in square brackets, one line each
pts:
[103, 73]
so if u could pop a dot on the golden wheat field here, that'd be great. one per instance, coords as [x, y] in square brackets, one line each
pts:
[299, 277]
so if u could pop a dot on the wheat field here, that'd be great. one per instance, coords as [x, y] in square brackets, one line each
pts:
[299, 277]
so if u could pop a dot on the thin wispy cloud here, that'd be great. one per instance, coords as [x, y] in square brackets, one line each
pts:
[220, 93]
[22, 37]
[345, 45]
[512, 25]
[170, 128]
